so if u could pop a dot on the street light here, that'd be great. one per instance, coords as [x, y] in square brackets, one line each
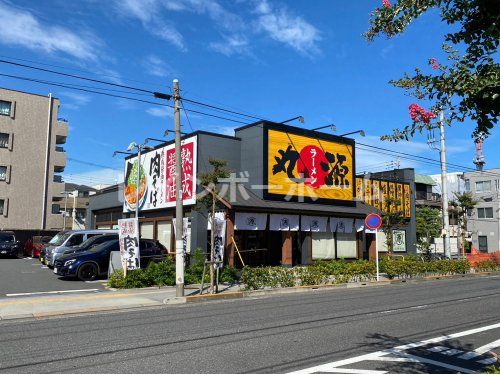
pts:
[300, 118]
[168, 132]
[360, 132]
[65, 193]
[332, 127]
[154, 139]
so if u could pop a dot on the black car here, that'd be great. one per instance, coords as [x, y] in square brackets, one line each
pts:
[9, 246]
[90, 264]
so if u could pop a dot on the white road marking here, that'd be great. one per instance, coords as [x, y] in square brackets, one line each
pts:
[50, 292]
[396, 350]
[469, 355]
[416, 359]
[488, 347]
[452, 352]
[438, 348]
[488, 361]
[354, 371]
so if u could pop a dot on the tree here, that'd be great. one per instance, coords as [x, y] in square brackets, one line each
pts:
[209, 181]
[461, 207]
[392, 218]
[429, 226]
[469, 87]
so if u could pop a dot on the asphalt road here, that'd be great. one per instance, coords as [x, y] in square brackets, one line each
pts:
[28, 275]
[279, 334]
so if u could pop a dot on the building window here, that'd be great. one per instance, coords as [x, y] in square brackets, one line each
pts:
[483, 243]
[467, 185]
[3, 173]
[5, 107]
[56, 208]
[4, 140]
[483, 186]
[2, 206]
[484, 212]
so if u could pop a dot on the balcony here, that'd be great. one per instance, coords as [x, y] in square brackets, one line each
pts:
[58, 179]
[61, 131]
[59, 160]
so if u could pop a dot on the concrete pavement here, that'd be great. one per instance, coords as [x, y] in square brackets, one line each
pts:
[279, 334]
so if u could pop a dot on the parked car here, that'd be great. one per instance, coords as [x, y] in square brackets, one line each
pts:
[85, 246]
[9, 246]
[33, 246]
[90, 264]
[69, 238]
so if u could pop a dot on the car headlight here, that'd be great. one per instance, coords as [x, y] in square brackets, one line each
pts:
[69, 262]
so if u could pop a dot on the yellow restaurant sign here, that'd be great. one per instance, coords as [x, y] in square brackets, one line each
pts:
[376, 192]
[309, 168]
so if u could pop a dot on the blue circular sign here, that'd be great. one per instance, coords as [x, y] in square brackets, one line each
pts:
[373, 221]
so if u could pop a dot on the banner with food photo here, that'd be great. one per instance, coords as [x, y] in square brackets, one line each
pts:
[301, 167]
[157, 177]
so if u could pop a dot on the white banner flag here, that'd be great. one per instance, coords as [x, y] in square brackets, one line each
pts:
[250, 221]
[219, 235]
[129, 243]
[284, 222]
[313, 223]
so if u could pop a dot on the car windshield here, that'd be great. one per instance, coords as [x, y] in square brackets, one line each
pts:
[59, 238]
[7, 238]
[95, 240]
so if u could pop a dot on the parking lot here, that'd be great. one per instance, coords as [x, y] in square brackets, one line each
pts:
[26, 275]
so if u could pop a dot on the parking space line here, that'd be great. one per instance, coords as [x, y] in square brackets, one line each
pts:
[437, 363]
[50, 292]
[488, 347]
[488, 361]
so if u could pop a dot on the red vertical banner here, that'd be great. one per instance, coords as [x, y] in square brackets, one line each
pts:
[188, 157]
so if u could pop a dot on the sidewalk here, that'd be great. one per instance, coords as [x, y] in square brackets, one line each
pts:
[115, 300]
[99, 301]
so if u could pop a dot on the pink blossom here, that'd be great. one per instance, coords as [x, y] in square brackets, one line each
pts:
[386, 3]
[419, 114]
[434, 63]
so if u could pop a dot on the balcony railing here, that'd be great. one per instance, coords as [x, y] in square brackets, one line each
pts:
[58, 179]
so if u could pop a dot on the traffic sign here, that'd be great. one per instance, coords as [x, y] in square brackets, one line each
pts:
[373, 221]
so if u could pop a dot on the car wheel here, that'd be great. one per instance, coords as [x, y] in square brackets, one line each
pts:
[87, 272]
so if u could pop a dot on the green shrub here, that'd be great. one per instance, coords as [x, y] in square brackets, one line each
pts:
[229, 275]
[487, 265]
[116, 280]
[194, 271]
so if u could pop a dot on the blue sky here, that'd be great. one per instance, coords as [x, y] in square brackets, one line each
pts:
[275, 59]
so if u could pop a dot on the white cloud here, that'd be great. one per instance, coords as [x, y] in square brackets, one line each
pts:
[232, 45]
[74, 100]
[286, 28]
[157, 67]
[95, 177]
[162, 112]
[22, 28]
[149, 13]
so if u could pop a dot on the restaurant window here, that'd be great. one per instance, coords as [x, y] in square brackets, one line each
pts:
[323, 245]
[483, 243]
[4, 140]
[164, 233]
[5, 108]
[484, 212]
[346, 245]
[147, 230]
[483, 186]
[3, 173]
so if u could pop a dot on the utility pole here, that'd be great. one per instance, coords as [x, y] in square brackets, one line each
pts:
[179, 221]
[137, 196]
[444, 186]
[75, 193]
[65, 207]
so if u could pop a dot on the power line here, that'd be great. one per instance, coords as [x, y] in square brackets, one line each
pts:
[76, 76]
[49, 83]
[92, 164]
[221, 109]
[117, 76]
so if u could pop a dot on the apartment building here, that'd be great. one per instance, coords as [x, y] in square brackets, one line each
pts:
[74, 205]
[31, 160]
[484, 222]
